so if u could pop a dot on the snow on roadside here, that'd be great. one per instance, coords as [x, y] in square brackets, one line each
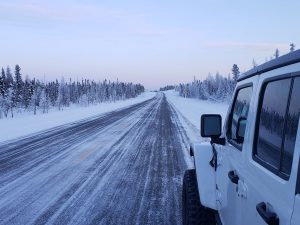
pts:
[11, 128]
[190, 110]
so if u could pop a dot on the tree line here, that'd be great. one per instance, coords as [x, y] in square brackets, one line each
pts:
[32, 95]
[166, 88]
[216, 88]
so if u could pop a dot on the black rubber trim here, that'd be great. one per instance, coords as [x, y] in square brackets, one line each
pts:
[229, 122]
[298, 180]
[218, 219]
[285, 60]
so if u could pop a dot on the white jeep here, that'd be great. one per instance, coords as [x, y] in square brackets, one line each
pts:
[249, 173]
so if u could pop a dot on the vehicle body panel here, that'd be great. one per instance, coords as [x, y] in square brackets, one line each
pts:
[236, 203]
[205, 174]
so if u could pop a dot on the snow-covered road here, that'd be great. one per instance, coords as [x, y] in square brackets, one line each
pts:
[124, 167]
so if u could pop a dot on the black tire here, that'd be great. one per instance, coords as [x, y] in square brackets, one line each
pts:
[193, 213]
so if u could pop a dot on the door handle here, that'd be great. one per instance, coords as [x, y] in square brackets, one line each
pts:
[270, 218]
[233, 177]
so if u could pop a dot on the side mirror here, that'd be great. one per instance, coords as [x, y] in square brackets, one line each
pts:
[211, 125]
[240, 130]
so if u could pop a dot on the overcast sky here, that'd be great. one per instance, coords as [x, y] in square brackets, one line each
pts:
[150, 42]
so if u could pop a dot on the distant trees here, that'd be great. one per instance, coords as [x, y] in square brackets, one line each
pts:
[216, 88]
[168, 87]
[276, 53]
[32, 95]
[292, 47]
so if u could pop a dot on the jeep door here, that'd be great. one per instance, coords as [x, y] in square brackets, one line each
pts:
[230, 157]
[270, 174]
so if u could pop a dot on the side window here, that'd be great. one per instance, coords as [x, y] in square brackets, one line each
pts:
[278, 124]
[239, 109]
[271, 121]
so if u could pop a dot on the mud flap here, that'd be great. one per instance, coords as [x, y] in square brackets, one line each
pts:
[206, 175]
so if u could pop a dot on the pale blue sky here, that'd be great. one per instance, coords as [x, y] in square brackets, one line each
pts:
[151, 42]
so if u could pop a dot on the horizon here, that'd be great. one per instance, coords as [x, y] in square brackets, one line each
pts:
[155, 43]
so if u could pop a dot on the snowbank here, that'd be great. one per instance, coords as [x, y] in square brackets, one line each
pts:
[11, 128]
[190, 111]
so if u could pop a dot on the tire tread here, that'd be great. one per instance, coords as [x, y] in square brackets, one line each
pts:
[193, 212]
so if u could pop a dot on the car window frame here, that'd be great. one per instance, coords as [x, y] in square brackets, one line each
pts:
[229, 122]
[263, 86]
[298, 178]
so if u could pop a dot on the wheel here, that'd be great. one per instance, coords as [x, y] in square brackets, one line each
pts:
[193, 213]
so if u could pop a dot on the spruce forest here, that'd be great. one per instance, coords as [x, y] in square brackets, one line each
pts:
[215, 88]
[18, 95]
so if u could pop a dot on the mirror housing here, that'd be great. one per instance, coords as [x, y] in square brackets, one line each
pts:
[241, 128]
[211, 125]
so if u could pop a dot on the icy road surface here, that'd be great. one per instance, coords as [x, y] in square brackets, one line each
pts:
[124, 167]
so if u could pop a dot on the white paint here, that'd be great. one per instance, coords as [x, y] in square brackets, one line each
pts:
[237, 203]
[205, 175]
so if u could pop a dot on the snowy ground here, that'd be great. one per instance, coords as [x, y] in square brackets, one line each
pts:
[190, 110]
[25, 124]
[124, 167]
[120, 167]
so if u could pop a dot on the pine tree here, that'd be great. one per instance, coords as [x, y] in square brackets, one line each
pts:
[44, 102]
[17, 87]
[2, 83]
[1, 106]
[83, 100]
[254, 64]
[61, 94]
[9, 79]
[276, 54]
[292, 47]
[10, 102]
[6, 103]
[34, 95]
[220, 93]
[27, 92]
[235, 72]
